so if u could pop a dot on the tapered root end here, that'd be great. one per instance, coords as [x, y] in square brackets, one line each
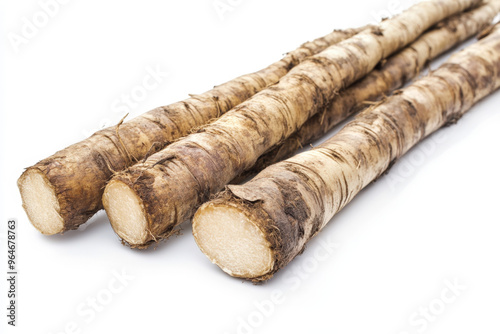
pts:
[231, 240]
[40, 202]
[126, 213]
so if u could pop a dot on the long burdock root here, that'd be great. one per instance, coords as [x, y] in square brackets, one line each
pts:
[63, 191]
[253, 230]
[392, 74]
[145, 202]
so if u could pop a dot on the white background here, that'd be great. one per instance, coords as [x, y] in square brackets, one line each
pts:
[433, 219]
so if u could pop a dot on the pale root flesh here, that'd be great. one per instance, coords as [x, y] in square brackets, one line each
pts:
[230, 240]
[126, 213]
[40, 202]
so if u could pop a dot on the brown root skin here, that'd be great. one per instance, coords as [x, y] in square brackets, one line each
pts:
[300, 195]
[79, 173]
[391, 74]
[204, 162]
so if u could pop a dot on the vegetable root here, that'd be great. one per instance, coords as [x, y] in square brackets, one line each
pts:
[64, 190]
[273, 216]
[167, 188]
[392, 74]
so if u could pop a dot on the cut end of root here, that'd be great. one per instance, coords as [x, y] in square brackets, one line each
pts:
[126, 213]
[40, 202]
[230, 239]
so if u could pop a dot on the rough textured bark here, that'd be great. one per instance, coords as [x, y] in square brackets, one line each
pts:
[291, 201]
[73, 180]
[392, 74]
[172, 183]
